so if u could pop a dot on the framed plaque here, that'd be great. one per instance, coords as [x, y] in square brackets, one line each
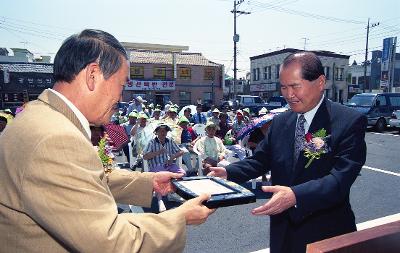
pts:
[223, 192]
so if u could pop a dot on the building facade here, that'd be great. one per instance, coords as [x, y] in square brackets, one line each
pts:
[22, 82]
[162, 73]
[265, 73]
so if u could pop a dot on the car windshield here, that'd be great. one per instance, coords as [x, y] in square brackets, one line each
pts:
[362, 100]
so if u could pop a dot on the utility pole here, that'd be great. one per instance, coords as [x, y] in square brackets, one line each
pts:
[305, 43]
[235, 40]
[392, 64]
[366, 58]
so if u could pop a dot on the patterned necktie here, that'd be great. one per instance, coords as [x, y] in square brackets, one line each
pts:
[299, 137]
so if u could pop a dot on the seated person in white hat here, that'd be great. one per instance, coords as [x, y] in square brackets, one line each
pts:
[162, 151]
[215, 117]
[212, 147]
[136, 104]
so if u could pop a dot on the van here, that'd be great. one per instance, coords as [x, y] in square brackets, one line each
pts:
[377, 107]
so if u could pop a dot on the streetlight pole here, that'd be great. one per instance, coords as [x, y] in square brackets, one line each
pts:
[235, 40]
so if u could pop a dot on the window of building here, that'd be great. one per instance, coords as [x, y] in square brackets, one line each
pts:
[267, 73]
[339, 74]
[256, 74]
[209, 74]
[327, 72]
[278, 67]
[160, 73]
[184, 98]
[137, 72]
[207, 96]
[354, 80]
[184, 73]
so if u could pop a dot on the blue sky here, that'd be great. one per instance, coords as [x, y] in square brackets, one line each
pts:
[205, 26]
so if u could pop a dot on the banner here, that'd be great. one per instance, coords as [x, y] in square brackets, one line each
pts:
[150, 85]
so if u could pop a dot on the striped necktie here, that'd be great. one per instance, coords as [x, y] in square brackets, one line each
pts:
[299, 136]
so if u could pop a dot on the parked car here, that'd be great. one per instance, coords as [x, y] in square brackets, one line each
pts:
[377, 107]
[395, 120]
[276, 102]
[254, 103]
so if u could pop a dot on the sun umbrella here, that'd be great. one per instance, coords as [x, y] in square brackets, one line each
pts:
[192, 110]
[255, 123]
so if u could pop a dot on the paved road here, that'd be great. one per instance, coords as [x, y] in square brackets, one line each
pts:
[375, 194]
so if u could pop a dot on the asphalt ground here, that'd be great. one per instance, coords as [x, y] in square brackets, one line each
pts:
[375, 194]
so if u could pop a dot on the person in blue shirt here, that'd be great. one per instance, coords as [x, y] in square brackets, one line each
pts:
[199, 117]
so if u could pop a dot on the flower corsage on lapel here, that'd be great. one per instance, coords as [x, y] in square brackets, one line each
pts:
[105, 153]
[315, 145]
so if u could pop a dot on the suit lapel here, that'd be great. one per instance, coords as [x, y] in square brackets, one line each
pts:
[290, 127]
[320, 120]
[59, 105]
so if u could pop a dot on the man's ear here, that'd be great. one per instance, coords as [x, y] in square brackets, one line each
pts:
[321, 82]
[93, 74]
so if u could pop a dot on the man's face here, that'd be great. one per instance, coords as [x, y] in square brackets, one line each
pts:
[302, 95]
[156, 114]
[198, 109]
[132, 120]
[211, 131]
[109, 94]
[162, 133]
[143, 122]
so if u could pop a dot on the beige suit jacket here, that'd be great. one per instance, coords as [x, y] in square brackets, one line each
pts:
[55, 197]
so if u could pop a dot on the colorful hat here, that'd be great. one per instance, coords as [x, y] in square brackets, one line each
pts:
[246, 110]
[183, 119]
[239, 112]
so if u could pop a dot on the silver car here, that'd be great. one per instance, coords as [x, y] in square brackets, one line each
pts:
[395, 119]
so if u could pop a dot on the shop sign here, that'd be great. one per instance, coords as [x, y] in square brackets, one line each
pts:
[150, 85]
[263, 87]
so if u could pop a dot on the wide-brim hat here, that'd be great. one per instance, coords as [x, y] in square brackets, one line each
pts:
[133, 115]
[173, 109]
[183, 119]
[143, 116]
[216, 110]
[239, 112]
[157, 110]
[211, 124]
[140, 99]
[246, 110]
[162, 125]
[263, 111]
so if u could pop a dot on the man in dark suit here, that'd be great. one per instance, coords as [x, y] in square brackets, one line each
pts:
[310, 200]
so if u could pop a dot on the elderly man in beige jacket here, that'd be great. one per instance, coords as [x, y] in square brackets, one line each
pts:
[55, 195]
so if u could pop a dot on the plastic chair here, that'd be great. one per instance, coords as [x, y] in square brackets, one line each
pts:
[249, 153]
[200, 129]
[161, 205]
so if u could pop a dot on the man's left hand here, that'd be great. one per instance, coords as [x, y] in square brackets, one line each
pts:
[162, 182]
[282, 199]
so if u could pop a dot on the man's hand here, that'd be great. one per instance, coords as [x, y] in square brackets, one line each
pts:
[217, 172]
[194, 211]
[282, 199]
[162, 182]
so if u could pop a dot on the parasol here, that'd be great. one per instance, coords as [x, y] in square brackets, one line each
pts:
[192, 110]
[255, 123]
